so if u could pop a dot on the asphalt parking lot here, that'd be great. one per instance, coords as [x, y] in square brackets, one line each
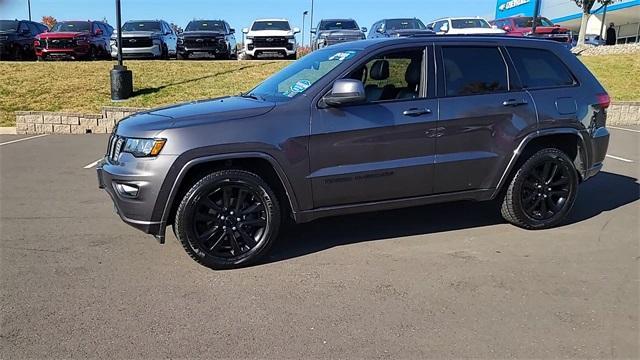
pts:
[445, 281]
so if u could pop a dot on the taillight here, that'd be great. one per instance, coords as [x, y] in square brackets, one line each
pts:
[603, 100]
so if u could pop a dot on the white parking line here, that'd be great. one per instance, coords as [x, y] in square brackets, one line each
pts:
[23, 139]
[619, 158]
[89, 166]
[624, 129]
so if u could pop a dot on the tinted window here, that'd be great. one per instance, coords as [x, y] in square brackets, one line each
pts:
[72, 26]
[469, 23]
[474, 70]
[404, 24]
[142, 26]
[338, 25]
[206, 26]
[439, 24]
[540, 68]
[528, 22]
[8, 25]
[270, 25]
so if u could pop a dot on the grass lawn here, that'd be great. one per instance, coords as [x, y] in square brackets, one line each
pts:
[84, 86]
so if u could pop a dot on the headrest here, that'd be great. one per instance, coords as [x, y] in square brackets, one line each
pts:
[379, 70]
[412, 75]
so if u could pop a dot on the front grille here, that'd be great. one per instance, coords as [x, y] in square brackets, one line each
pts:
[203, 42]
[115, 147]
[270, 42]
[137, 42]
[59, 43]
[341, 39]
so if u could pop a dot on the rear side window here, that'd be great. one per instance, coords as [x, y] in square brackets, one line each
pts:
[540, 68]
[474, 70]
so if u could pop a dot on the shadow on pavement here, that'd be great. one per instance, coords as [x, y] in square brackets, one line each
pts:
[602, 193]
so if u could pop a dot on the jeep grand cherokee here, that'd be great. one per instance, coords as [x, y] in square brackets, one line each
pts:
[364, 126]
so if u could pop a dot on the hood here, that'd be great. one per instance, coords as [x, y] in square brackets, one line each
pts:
[202, 33]
[341, 32]
[409, 32]
[60, 35]
[128, 34]
[149, 123]
[270, 33]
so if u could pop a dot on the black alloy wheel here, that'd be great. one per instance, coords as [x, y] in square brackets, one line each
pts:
[542, 192]
[229, 218]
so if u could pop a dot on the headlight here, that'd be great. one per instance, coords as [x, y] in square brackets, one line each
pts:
[292, 41]
[143, 147]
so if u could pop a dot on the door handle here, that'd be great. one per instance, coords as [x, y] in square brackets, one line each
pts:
[514, 102]
[416, 112]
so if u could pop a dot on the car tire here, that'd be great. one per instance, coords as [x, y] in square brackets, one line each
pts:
[542, 191]
[228, 219]
[165, 53]
[184, 56]
[292, 57]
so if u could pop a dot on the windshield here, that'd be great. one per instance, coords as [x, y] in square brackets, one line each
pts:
[404, 24]
[8, 25]
[71, 26]
[470, 23]
[271, 25]
[141, 26]
[528, 22]
[296, 78]
[206, 26]
[338, 25]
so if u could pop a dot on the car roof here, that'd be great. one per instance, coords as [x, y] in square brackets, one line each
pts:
[270, 20]
[338, 19]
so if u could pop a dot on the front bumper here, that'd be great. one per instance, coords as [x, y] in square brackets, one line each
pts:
[73, 53]
[154, 51]
[147, 175]
[282, 51]
[220, 50]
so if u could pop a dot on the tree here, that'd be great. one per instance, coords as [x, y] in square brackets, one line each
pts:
[586, 6]
[50, 21]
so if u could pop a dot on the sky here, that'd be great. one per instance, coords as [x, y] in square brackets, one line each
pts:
[240, 13]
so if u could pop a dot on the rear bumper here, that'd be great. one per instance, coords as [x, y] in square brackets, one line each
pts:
[599, 146]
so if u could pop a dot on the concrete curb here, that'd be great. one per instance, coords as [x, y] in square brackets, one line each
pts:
[7, 130]
[45, 122]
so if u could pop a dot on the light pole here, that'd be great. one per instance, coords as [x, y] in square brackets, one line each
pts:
[121, 78]
[536, 15]
[304, 16]
[29, 6]
[311, 22]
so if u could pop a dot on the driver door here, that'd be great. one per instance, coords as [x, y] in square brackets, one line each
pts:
[384, 148]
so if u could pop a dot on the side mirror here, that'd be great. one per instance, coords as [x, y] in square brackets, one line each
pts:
[296, 30]
[245, 30]
[232, 31]
[364, 29]
[99, 32]
[313, 30]
[345, 91]
[430, 27]
[506, 28]
[380, 30]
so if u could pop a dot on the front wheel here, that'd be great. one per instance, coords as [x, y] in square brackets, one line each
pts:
[229, 218]
[542, 192]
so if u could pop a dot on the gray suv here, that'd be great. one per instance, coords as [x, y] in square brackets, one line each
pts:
[364, 126]
[143, 39]
[336, 31]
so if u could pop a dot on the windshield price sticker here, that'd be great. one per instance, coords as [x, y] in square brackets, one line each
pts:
[342, 56]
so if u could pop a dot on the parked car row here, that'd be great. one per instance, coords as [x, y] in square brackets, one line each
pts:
[157, 39]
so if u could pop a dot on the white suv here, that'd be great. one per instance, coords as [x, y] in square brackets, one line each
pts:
[463, 26]
[270, 38]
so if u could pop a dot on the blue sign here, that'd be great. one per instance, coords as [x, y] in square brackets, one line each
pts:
[508, 8]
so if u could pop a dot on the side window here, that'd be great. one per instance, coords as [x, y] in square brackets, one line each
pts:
[34, 29]
[23, 26]
[474, 70]
[540, 68]
[438, 26]
[394, 75]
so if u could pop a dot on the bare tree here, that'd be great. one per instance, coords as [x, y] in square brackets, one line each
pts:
[586, 6]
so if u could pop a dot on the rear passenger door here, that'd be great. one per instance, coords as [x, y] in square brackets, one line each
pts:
[552, 86]
[483, 115]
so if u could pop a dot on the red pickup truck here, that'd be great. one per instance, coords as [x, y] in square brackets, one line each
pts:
[75, 40]
[523, 26]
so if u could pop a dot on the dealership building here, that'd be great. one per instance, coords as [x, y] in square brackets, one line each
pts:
[624, 14]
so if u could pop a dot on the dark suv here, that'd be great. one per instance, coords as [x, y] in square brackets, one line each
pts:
[364, 126]
[208, 38]
[336, 31]
[16, 39]
[74, 40]
[398, 28]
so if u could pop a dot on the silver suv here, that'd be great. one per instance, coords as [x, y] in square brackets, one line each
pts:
[144, 39]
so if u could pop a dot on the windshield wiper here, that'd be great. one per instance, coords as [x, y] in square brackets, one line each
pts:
[251, 96]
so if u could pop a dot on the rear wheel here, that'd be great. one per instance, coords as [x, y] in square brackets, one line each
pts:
[229, 218]
[542, 192]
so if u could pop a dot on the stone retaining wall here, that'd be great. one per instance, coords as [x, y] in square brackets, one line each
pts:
[44, 122]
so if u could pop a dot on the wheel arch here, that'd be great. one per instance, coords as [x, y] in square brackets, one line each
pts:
[569, 140]
[259, 163]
